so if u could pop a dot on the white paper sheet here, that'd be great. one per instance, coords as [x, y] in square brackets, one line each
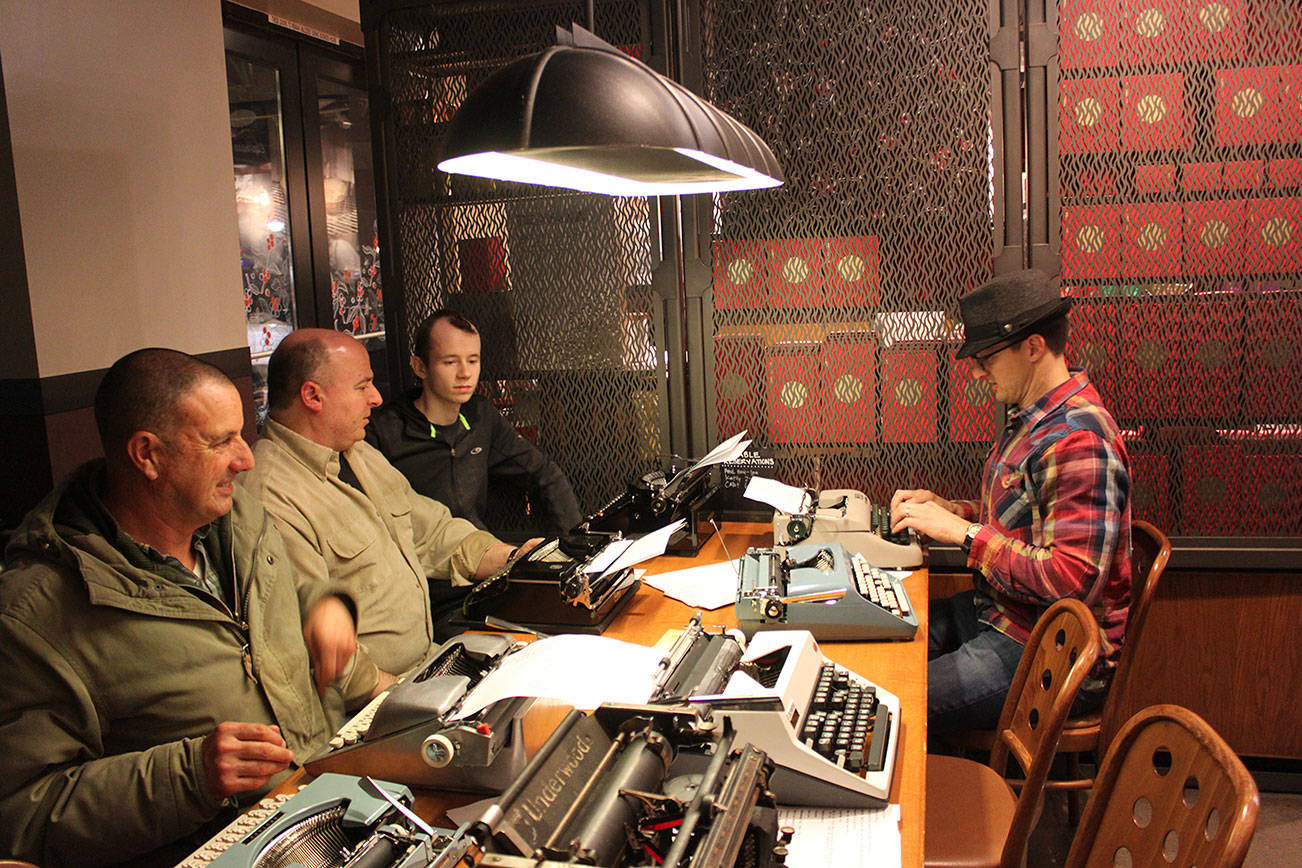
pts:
[725, 451]
[626, 552]
[711, 586]
[783, 498]
[844, 838]
[583, 671]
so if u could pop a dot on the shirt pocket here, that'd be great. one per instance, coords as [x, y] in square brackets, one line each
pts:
[352, 548]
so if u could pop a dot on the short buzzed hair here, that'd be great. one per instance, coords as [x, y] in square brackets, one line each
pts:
[141, 390]
[292, 364]
[456, 320]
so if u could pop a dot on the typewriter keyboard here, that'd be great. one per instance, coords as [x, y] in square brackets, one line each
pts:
[845, 724]
[355, 729]
[881, 525]
[875, 586]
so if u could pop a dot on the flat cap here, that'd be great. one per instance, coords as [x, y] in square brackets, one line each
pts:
[1006, 307]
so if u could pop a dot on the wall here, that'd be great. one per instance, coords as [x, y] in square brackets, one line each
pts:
[121, 161]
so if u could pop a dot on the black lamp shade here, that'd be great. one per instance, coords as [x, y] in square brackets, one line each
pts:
[598, 120]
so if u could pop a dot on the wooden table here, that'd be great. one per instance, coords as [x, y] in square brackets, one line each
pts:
[900, 667]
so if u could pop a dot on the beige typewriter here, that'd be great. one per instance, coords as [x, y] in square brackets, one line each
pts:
[409, 733]
[846, 516]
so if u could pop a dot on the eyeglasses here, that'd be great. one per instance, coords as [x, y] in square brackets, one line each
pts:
[983, 361]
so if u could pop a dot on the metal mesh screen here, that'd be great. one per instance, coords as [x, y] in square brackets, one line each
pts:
[834, 295]
[558, 283]
[1179, 130]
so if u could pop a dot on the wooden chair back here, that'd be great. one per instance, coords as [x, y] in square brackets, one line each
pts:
[1170, 792]
[1149, 552]
[1060, 652]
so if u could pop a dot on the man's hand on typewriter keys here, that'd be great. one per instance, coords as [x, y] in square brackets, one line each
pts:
[331, 638]
[238, 757]
[928, 513]
[497, 556]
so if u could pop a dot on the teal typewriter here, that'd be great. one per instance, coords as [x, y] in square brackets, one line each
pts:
[822, 588]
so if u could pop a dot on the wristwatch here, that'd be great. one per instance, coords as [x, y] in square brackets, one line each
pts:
[970, 537]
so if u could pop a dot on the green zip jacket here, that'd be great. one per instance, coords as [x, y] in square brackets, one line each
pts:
[111, 675]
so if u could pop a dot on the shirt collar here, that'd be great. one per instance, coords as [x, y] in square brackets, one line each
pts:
[1050, 401]
[321, 460]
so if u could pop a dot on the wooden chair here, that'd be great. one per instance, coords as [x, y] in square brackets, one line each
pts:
[1091, 733]
[974, 816]
[1170, 793]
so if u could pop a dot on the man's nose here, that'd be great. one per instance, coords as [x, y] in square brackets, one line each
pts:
[243, 457]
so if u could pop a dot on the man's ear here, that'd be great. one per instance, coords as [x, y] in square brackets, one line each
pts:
[311, 394]
[418, 367]
[1037, 346]
[143, 448]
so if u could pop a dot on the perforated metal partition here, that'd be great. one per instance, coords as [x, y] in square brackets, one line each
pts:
[1147, 150]
[1176, 210]
[557, 283]
[834, 296]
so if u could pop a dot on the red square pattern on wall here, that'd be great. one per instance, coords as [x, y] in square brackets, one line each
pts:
[971, 405]
[1152, 112]
[795, 273]
[850, 387]
[793, 393]
[852, 275]
[1090, 33]
[739, 378]
[1091, 241]
[1152, 236]
[740, 275]
[909, 392]
[1214, 237]
[1089, 115]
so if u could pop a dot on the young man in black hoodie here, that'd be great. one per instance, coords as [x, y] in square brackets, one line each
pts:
[449, 442]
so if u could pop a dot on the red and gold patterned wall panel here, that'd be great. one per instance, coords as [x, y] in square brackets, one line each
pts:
[483, 264]
[740, 275]
[1158, 178]
[1214, 237]
[971, 405]
[1272, 357]
[1090, 33]
[1152, 31]
[1091, 241]
[1152, 237]
[795, 273]
[852, 275]
[739, 383]
[1152, 112]
[909, 392]
[1216, 29]
[1150, 333]
[1150, 497]
[1272, 235]
[850, 387]
[1247, 106]
[1212, 503]
[1210, 384]
[793, 393]
[1273, 489]
[1089, 117]
[1093, 339]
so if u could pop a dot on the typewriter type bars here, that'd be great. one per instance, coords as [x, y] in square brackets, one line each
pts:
[607, 790]
[847, 516]
[406, 734]
[337, 820]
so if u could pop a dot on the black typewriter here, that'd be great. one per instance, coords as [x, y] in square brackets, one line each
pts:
[657, 499]
[549, 590]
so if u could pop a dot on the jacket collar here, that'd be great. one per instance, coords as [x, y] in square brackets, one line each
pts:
[321, 460]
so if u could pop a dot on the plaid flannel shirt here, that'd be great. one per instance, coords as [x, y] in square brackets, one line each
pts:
[1056, 513]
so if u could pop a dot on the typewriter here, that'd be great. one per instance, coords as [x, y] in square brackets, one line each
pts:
[408, 733]
[632, 786]
[824, 589]
[651, 502]
[337, 820]
[846, 516]
[831, 734]
[550, 590]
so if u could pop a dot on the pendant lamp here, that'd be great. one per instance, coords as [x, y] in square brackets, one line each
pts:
[585, 116]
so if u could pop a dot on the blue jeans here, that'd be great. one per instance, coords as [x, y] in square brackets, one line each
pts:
[970, 668]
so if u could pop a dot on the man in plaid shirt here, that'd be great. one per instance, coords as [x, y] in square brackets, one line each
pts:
[1054, 516]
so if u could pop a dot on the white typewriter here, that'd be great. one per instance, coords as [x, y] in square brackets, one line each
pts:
[831, 733]
[847, 516]
[409, 733]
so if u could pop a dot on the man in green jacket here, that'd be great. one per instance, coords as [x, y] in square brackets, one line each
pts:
[156, 663]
